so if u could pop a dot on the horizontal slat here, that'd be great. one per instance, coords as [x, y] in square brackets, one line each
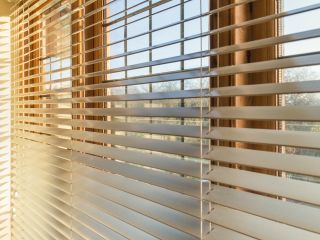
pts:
[264, 136]
[47, 223]
[246, 23]
[80, 230]
[219, 233]
[34, 232]
[101, 216]
[153, 193]
[97, 227]
[230, 6]
[166, 180]
[76, 235]
[287, 113]
[294, 61]
[264, 89]
[18, 233]
[142, 158]
[76, 223]
[111, 194]
[163, 129]
[175, 219]
[51, 198]
[88, 224]
[267, 89]
[308, 192]
[172, 147]
[289, 62]
[61, 222]
[149, 7]
[295, 214]
[171, 76]
[129, 97]
[28, 6]
[56, 197]
[138, 112]
[302, 164]
[135, 219]
[78, 20]
[263, 229]
[62, 154]
[57, 21]
[47, 160]
[225, 50]
[50, 164]
[156, 194]
[48, 180]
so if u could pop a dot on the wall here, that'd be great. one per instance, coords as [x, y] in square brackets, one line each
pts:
[5, 168]
[5, 8]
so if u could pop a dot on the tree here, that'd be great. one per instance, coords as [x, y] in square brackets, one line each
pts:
[305, 99]
[297, 75]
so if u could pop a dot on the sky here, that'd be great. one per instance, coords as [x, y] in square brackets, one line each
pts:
[292, 24]
[301, 22]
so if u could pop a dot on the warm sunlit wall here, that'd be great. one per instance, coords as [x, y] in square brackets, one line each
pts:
[4, 120]
[4, 8]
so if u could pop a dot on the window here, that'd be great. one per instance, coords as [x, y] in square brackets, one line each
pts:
[165, 119]
[301, 74]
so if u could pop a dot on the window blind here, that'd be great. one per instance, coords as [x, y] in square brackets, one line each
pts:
[107, 131]
[264, 175]
[164, 119]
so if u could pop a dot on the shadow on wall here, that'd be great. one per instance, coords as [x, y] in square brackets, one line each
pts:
[5, 6]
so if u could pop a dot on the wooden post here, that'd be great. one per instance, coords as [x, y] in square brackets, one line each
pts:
[241, 13]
